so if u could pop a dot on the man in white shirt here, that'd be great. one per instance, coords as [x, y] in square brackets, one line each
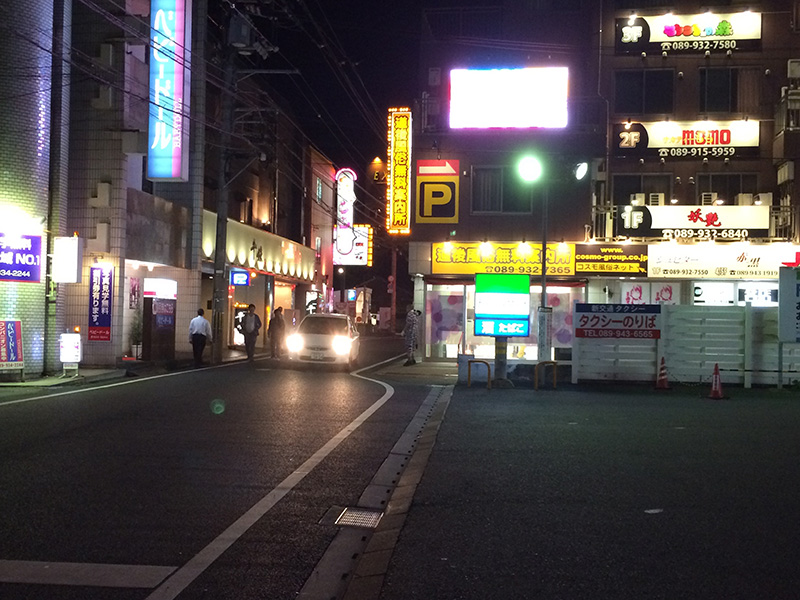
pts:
[199, 334]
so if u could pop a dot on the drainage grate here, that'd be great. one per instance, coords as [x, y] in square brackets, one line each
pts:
[359, 517]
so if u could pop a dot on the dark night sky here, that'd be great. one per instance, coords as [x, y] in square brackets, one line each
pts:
[373, 46]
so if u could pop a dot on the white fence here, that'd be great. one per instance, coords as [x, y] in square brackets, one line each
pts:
[742, 340]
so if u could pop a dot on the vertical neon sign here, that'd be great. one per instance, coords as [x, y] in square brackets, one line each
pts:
[398, 190]
[170, 40]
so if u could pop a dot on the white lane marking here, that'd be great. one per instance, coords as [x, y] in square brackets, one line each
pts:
[147, 378]
[85, 574]
[112, 385]
[186, 574]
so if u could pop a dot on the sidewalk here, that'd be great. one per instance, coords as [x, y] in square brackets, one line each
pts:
[558, 494]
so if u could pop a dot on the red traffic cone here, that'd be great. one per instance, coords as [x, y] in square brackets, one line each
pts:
[662, 383]
[716, 385]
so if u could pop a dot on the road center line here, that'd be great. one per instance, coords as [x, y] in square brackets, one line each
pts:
[186, 574]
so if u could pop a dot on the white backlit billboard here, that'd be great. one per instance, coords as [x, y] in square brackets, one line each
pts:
[509, 98]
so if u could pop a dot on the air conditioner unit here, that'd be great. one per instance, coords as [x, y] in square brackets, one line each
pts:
[793, 68]
[763, 199]
[744, 199]
[655, 199]
[637, 199]
[786, 172]
[708, 198]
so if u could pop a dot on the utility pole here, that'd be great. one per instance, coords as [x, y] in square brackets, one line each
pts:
[394, 288]
[220, 298]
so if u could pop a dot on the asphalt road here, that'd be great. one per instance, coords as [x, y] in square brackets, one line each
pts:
[210, 483]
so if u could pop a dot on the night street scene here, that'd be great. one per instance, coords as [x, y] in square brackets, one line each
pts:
[441, 300]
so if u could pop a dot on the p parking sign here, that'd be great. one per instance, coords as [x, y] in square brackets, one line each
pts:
[437, 191]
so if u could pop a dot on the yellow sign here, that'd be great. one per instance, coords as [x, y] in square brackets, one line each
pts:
[437, 191]
[398, 190]
[469, 258]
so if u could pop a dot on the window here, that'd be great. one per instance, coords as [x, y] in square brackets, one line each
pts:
[500, 190]
[626, 186]
[729, 90]
[727, 185]
[643, 92]
[318, 197]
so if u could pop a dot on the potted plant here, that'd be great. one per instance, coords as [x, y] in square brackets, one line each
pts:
[136, 335]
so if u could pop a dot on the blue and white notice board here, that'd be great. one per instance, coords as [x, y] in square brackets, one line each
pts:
[502, 305]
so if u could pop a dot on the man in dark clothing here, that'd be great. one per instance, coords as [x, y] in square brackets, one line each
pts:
[250, 326]
[276, 330]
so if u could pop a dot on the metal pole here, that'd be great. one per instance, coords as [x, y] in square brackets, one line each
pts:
[544, 247]
[545, 313]
[393, 319]
[220, 298]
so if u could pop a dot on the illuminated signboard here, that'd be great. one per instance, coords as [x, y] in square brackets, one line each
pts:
[101, 291]
[11, 345]
[697, 33]
[356, 248]
[719, 261]
[618, 321]
[67, 259]
[502, 305]
[170, 45]
[688, 140]
[509, 98]
[437, 191]
[398, 190]
[694, 222]
[611, 259]
[240, 278]
[20, 257]
[70, 348]
[469, 258]
[158, 287]
[344, 243]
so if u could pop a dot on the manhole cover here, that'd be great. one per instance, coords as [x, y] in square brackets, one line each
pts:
[359, 517]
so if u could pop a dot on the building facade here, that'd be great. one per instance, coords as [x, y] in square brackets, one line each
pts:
[686, 119]
[80, 155]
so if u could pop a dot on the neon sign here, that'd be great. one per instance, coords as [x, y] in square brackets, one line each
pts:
[398, 190]
[170, 39]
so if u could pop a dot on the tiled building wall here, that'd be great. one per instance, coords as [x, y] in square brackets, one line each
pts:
[98, 173]
[25, 85]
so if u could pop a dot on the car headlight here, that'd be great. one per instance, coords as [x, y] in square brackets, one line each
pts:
[341, 345]
[294, 343]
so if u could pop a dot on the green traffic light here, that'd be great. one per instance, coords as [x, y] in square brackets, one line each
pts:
[530, 168]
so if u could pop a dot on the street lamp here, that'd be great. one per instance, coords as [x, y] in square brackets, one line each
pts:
[531, 170]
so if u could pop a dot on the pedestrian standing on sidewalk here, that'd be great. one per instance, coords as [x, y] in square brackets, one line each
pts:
[199, 335]
[249, 326]
[410, 335]
[277, 328]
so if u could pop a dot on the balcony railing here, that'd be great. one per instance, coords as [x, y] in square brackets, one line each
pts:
[782, 221]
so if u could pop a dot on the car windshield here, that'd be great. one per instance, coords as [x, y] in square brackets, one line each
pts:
[324, 326]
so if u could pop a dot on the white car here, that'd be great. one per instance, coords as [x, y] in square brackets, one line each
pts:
[324, 338]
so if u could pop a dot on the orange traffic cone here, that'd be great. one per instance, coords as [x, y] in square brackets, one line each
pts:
[716, 385]
[662, 383]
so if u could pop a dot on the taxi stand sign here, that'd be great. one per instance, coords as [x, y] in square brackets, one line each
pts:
[502, 305]
[789, 305]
